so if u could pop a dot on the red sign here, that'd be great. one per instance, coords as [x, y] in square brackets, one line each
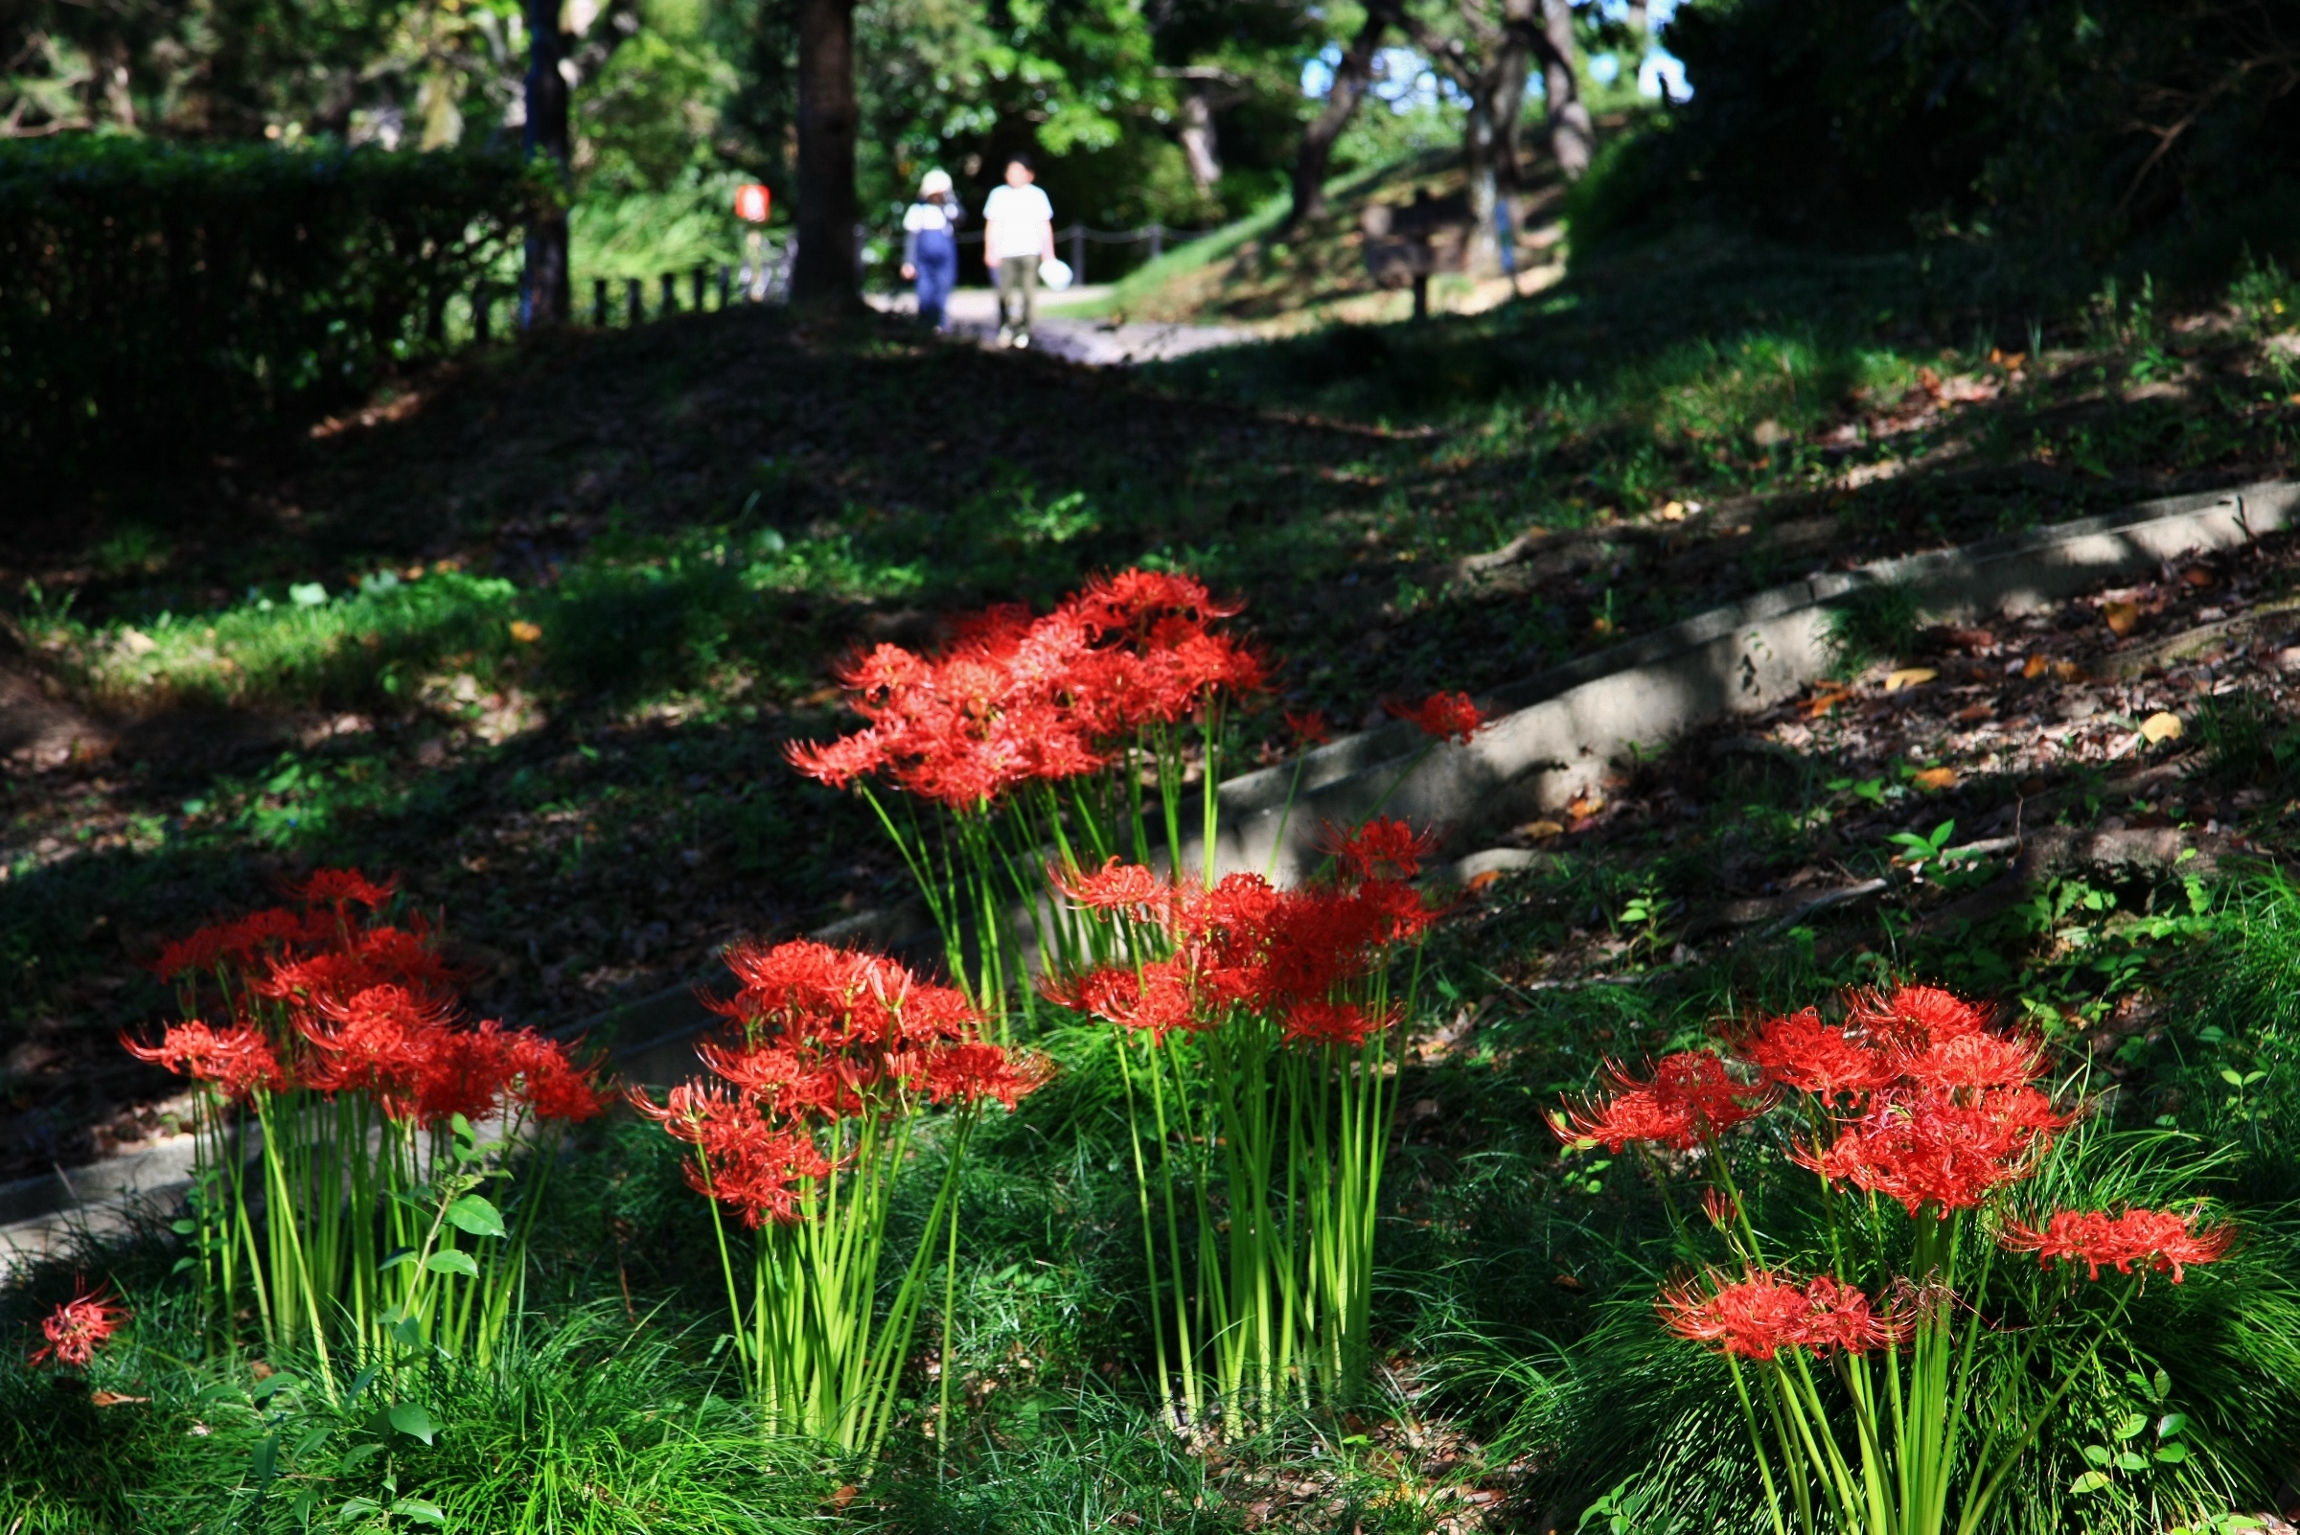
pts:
[751, 203]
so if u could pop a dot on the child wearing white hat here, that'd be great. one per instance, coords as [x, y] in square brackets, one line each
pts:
[930, 246]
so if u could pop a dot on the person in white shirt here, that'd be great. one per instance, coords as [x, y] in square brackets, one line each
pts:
[930, 247]
[1017, 234]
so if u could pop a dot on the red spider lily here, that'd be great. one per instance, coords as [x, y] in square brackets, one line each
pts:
[1382, 849]
[242, 941]
[1912, 1019]
[461, 1071]
[1721, 1208]
[373, 1042]
[1447, 716]
[77, 1328]
[1977, 1061]
[240, 1061]
[1753, 1318]
[1159, 998]
[973, 1071]
[378, 956]
[337, 886]
[550, 1080]
[1308, 729]
[1839, 1316]
[1014, 700]
[1689, 1100]
[831, 1033]
[1757, 1316]
[760, 1170]
[1803, 1052]
[1113, 887]
[2155, 1239]
[1925, 1146]
[1331, 1023]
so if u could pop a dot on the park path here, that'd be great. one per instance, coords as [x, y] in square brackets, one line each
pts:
[1096, 343]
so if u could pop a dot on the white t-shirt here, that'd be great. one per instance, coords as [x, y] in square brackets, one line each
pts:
[925, 216]
[1020, 221]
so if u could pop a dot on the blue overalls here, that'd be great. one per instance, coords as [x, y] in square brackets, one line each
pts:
[935, 253]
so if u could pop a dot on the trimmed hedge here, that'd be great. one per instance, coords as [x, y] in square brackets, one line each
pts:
[156, 296]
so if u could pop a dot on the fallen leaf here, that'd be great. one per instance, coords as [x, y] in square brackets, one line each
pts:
[844, 1496]
[1973, 714]
[1540, 831]
[2036, 667]
[1585, 807]
[1935, 778]
[2067, 671]
[1824, 699]
[524, 632]
[2197, 575]
[821, 695]
[1909, 677]
[1970, 639]
[2159, 727]
[1480, 881]
[113, 1399]
[1673, 512]
[1569, 1282]
[2123, 617]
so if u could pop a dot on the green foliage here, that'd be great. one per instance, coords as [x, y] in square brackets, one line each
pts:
[1865, 122]
[159, 295]
[590, 1427]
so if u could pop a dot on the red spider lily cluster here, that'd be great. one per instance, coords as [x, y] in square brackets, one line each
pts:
[827, 1035]
[2162, 1240]
[1919, 1100]
[1246, 946]
[1926, 1104]
[1758, 1316]
[80, 1326]
[1015, 699]
[334, 1002]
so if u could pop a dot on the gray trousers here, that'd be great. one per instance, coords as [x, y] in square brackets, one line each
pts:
[1017, 292]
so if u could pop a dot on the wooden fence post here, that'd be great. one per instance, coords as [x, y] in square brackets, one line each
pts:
[599, 303]
[696, 282]
[636, 293]
[670, 293]
[1078, 251]
[726, 285]
[482, 314]
[1157, 240]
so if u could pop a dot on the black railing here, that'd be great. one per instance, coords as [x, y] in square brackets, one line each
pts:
[767, 279]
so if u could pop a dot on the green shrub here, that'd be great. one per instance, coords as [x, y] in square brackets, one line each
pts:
[152, 295]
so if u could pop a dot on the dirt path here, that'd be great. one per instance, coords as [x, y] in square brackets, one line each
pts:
[1096, 343]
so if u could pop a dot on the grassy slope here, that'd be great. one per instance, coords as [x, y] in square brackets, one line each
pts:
[699, 518]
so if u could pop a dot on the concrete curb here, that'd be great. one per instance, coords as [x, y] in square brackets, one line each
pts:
[1558, 732]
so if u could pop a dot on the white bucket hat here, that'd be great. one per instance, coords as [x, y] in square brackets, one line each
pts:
[933, 182]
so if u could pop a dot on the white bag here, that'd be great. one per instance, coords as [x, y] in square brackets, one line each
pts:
[1055, 274]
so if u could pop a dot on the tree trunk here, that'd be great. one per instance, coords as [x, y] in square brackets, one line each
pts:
[1200, 149]
[543, 298]
[1489, 134]
[824, 275]
[1572, 137]
[1351, 77]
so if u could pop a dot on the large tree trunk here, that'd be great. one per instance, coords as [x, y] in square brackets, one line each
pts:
[1200, 149]
[544, 296]
[824, 276]
[1351, 77]
[1572, 137]
[1489, 135]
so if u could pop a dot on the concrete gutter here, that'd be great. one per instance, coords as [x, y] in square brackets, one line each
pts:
[1555, 737]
